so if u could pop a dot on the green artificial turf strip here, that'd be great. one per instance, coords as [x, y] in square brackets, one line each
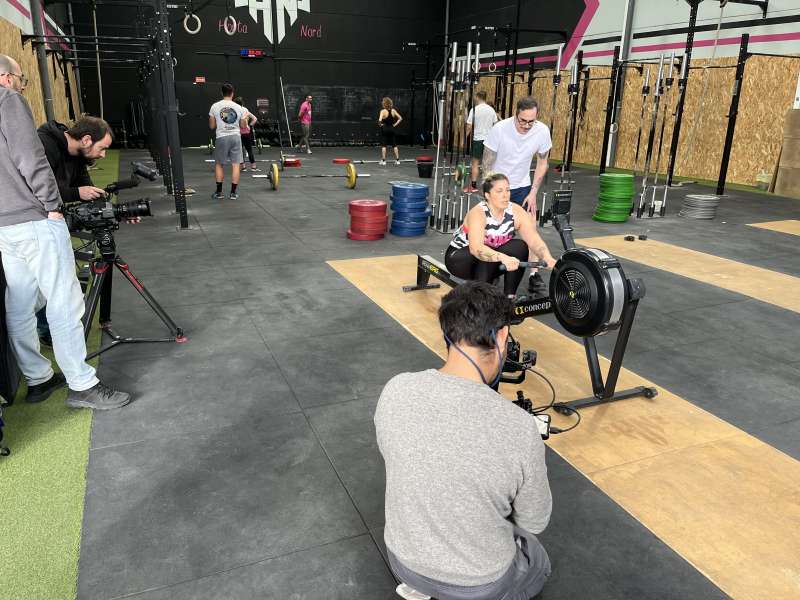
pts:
[43, 481]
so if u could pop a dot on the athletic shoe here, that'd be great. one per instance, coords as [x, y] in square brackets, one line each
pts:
[42, 391]
[382, 163]
[536, 285]
[217, 196]
[254, 168]
[242, 168]
[470, 189]
[308, 151]
[409, 593]
[100, 397]
[233, 196]
[397, 163]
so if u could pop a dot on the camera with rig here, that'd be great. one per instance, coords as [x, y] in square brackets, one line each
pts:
[106, 215]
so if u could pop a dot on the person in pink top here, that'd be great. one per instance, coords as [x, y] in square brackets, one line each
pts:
[305, 122]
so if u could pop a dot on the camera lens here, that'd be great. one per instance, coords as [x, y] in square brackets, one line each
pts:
[131, 210]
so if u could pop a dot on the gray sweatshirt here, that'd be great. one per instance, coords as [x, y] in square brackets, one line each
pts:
[463, 465]
[29, 189]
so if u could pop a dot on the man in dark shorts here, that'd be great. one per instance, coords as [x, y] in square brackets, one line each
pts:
[480, 120]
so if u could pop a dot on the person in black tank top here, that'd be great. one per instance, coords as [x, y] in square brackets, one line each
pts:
[389, 119]
[496, 232]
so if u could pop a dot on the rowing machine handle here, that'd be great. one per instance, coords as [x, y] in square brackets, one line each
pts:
[536, 264]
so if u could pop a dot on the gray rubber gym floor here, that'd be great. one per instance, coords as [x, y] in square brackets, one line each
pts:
[247, 466]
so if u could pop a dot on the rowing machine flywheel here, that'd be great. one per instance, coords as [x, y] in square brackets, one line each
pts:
[589, 290]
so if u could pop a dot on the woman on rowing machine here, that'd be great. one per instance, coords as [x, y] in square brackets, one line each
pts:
[496, 232]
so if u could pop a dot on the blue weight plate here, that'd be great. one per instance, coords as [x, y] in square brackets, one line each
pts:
[409, 222]
[408, 232]
[408, 200]
[409, 196]
[409, 228]
[409, 185]
[409, 208]
[410, 214]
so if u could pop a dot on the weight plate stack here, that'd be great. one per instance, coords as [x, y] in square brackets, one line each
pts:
[409, 208]
[368, 220]
[699, 206]
[615, 199]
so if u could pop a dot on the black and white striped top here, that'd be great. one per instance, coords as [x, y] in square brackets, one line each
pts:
[497, 232]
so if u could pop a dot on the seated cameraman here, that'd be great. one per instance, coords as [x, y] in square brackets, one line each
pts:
[38, 260]
[466, 480]
[488, 238]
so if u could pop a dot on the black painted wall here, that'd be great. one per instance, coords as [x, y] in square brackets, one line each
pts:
[347, 53]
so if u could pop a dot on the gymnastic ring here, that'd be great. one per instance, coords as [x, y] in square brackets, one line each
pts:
[225, 25]
[186, 24]
[492, 67]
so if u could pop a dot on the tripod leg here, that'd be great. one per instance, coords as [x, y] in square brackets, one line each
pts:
[151, 301]
[105, 298]
[101, 273]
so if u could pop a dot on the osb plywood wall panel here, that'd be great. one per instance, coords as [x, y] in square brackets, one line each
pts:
[11, 45]
[767, 93]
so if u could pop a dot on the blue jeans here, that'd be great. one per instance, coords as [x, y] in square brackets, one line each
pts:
[39, 264]
[519, 194]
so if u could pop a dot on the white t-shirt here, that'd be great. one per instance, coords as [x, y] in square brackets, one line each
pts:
[228, 114]
[484, 117]
[515, 151]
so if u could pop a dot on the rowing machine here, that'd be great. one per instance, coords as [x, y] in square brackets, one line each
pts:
[589, 295]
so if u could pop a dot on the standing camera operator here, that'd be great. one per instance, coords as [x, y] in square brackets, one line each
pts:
[466, 480]
[70, 152]
[38, 260]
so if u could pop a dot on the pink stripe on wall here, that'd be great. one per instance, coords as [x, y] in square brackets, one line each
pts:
[22, 10]
[754, 39]
[580, 29]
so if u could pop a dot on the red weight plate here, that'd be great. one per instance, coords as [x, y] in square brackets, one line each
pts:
[360, 223]
[379, 231]
[369, 218]
[291, 162]
[367, 204]
[364, 237]
[341, 161]
[368, 229]
[357, 214]
[424, 159]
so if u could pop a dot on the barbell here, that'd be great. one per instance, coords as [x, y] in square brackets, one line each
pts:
[350, 174]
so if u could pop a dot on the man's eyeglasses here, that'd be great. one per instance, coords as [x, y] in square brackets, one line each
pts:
[23, 80]
[528, 122]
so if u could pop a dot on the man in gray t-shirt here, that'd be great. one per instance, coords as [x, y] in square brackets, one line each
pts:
[466, 481]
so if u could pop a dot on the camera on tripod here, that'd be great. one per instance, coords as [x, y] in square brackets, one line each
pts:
[103, 214]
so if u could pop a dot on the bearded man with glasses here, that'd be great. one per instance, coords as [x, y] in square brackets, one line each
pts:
[510, 148]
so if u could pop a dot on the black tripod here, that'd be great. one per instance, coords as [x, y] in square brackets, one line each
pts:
[99, 292]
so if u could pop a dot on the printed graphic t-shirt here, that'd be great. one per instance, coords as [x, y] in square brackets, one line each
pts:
[228, 114]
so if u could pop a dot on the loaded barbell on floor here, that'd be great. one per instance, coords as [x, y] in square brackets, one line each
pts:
[350, 174]
[337, 161]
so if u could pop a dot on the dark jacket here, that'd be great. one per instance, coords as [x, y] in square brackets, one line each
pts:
[29, 189]
[70, 171]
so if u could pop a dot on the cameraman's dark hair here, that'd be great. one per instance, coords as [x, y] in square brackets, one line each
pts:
[526, 103]
[95, 127]
[481, 94]
[489, 182]
[227, 89]
[472, 311]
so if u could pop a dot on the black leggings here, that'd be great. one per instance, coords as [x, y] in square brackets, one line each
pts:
[462, 264]
[247, 142]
